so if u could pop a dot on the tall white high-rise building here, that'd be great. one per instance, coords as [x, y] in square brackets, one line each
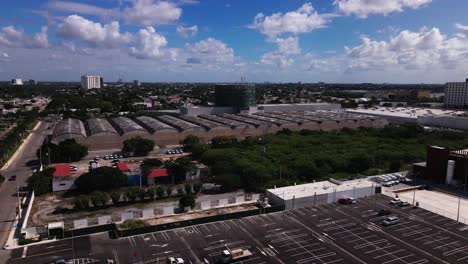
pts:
[90, 82]
[456, 94]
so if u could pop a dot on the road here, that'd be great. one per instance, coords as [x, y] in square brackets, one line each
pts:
[21, 166]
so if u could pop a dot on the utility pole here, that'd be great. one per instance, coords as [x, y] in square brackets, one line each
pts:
[458, 212]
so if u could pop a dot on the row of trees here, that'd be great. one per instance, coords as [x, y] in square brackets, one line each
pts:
[97, 199]
[13, 139]
[295, 157]
[66, 151]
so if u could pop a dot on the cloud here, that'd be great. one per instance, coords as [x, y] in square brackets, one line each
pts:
[364, 8]
[78, 28]
[17, 38]
[209, 52]
[303, 20]
[148, 44]
[187, 32]
[74, 48]
[151, 12]
[281, 56]
[464, 30]
[74, 7]
[411, 50]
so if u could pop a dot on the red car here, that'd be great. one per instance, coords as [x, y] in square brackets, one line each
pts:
[348, 200]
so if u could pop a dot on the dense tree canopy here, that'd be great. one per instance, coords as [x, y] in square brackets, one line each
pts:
[179, 168]
[286, 158]
[138, 145]
[103, 178]
[41, 181]
[66, 151]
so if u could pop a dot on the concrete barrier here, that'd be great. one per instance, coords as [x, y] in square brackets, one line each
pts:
[205, 205]
[240, 199]
[126, 216]
[168, 210]
[223, 202]
[105, 219]
[82, 223]
[148, 213]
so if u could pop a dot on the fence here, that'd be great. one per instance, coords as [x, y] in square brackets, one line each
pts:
[197, 221]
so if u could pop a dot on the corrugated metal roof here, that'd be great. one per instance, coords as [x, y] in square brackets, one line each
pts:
[225, 121]
[208, 124]
[153, 124]
[126, 125]
[179, 123]
[250, 121]
[99, 125]
[70, 126]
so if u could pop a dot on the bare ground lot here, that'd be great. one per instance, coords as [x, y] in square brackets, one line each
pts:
[326, 234]
[42, 212]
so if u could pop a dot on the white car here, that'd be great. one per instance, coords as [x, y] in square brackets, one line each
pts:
[176, 260]
[395, 201]
[391, 220]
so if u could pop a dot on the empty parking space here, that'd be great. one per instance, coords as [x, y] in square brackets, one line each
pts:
[325, 234]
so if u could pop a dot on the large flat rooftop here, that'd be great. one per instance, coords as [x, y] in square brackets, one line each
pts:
[403, 112]
[309, 189]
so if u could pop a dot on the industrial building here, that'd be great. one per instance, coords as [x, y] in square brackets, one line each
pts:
[444, 166]
[69, 129]
[298, 107]
[312, 194]
[240, 96]
[415, 115]
[456, 94]
[17, 81]
[102, 134]
[91, 82]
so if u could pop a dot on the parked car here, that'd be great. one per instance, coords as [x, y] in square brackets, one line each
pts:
[173, 260]
[348, 200]
[12, 178]
[391, 220]
[395, 201]
[404, 204]
[383, 212]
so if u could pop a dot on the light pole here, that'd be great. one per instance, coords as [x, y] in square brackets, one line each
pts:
[458, 211]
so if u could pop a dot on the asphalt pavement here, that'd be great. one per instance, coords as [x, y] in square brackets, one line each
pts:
[21, 166]
[326, 234]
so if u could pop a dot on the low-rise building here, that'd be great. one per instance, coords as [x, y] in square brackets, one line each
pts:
[63, 179]
[317, 193]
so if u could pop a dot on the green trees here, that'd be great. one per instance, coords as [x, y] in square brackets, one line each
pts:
[187, 200]
[2, 179]
[149, 164]
[66, 151]
[297, 157]
[41, 181]
[103, 178]
[179, 168]
[138, 145]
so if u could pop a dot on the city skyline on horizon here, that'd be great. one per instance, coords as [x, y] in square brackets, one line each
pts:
[341, 41]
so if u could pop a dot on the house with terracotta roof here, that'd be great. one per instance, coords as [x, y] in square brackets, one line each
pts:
[159, 175]
[63, 179]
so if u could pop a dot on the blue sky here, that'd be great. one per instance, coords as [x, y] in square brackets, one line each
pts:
[398, 41]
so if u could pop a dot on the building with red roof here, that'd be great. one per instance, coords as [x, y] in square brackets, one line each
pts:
[157, 174]
[62, 170]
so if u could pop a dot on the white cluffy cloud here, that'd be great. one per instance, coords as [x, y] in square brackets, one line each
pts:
[303, 20]
[209, 51]
[187, 32]
[364, 8]
[144, 44]
[148, 44]
[17, 38]
[412, 50]
[151, 12]
[281, 56]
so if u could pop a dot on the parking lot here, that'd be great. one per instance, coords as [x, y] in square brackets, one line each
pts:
[330, 233]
